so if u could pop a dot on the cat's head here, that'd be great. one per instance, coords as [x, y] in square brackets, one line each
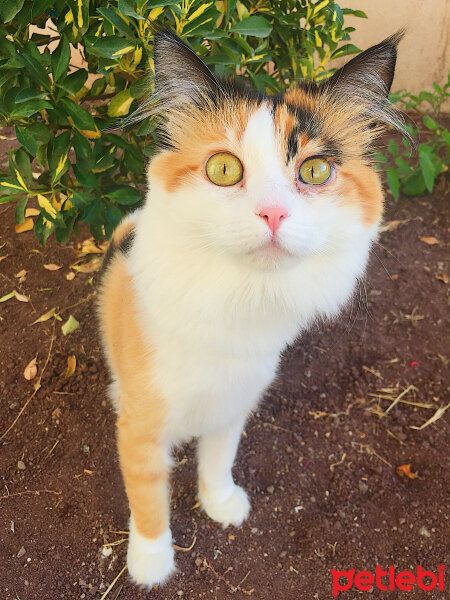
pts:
[270, 180]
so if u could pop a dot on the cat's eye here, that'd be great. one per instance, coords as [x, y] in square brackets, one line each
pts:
[224, 169]
[315, 171]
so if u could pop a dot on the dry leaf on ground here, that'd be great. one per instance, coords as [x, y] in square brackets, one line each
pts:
[46, 316]
[406, 470]
[442, 277]
[71, 366]
[70, 276]
[8, 296]
[30, 370]
[88, 267]
[27, 225]
[52, 267]
[430, 240]
[21, 274]
[390, 226]
[21, 297]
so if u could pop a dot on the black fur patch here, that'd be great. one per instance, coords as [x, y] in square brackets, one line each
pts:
[124, 247]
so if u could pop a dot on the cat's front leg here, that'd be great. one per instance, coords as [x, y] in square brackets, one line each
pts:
[145, 467]
[220, 497]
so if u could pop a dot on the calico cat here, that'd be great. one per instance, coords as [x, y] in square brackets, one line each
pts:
[259, 218]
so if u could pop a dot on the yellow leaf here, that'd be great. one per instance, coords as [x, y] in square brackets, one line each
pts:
[30, 370]
[60, 167]
[69, 17]
[25, 226]
[91, 135]
[120, 104]
[199, 11]
[52, 267]
[46, 205]
[46, 316]
[67, 205]
[20, 274]
[20, 180]
[137, 57]
[32, 212]
[80, 14]
[155, 12]
[318, 39]
[21, 297]
[71, 366]
[123, 51]
[10, 185]
[430, 240]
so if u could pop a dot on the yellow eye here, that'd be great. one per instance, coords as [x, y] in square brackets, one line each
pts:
[224, 169]
[315, 171]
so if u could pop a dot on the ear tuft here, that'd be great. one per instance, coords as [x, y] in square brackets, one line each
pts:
[180, 74]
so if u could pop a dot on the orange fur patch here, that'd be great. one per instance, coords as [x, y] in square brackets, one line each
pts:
[121, 231]
[361, 185]
[142, 412]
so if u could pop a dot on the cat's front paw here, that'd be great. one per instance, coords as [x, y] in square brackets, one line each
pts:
[226, 508]
[150, 562]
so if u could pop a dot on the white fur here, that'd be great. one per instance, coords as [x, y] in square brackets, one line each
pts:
[218, 305]
[149, 562]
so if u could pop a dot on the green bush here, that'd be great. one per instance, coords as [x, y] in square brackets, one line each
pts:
[416, 167]
[64, 116]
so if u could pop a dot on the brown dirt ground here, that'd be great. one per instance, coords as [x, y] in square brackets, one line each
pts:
[319, 458]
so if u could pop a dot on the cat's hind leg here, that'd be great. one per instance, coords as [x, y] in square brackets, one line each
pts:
[220, 497]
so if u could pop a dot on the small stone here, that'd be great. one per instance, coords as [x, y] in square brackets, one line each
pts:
[363, 487]
[270, 489]
[424, 531]
[198, 562]
[21, 465]
[21, 552]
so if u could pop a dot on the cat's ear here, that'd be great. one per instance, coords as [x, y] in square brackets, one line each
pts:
[369, 74]
[180, 75]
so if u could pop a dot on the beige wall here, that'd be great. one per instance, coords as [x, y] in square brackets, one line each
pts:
[424, 53]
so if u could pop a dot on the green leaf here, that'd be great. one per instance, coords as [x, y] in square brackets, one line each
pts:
[60, 59]
[70, 325]
[31, 107]
[392, 147]
[430, 123]
[125, 195]
[81, 118]
[427, 166]
[117, 20]
[345, 51]
[43, 229]
[111, 46]
[126, 7]
[22, 161]
[30, 94]
[19, 212]
[26, 139]
[120, 104]
[393, 182]
[257, 26]
[58, 157]
[9, 9]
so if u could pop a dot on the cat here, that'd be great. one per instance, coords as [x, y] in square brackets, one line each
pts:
[259, 218]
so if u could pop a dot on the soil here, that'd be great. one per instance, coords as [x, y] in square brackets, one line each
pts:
[319, 459]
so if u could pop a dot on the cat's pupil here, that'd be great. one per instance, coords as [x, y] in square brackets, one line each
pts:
[312, 172]
[224, 168]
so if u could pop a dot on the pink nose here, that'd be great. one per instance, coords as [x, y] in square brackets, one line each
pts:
[273, 215]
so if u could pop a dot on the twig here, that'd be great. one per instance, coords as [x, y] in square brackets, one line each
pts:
[37, 386]
[189, 548]
[405, 391]
[37, 492]
[78, 303]
[113, 584]
[437, 415]
[233, 588]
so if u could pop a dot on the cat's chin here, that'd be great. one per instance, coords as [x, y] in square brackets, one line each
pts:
[271, 256]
